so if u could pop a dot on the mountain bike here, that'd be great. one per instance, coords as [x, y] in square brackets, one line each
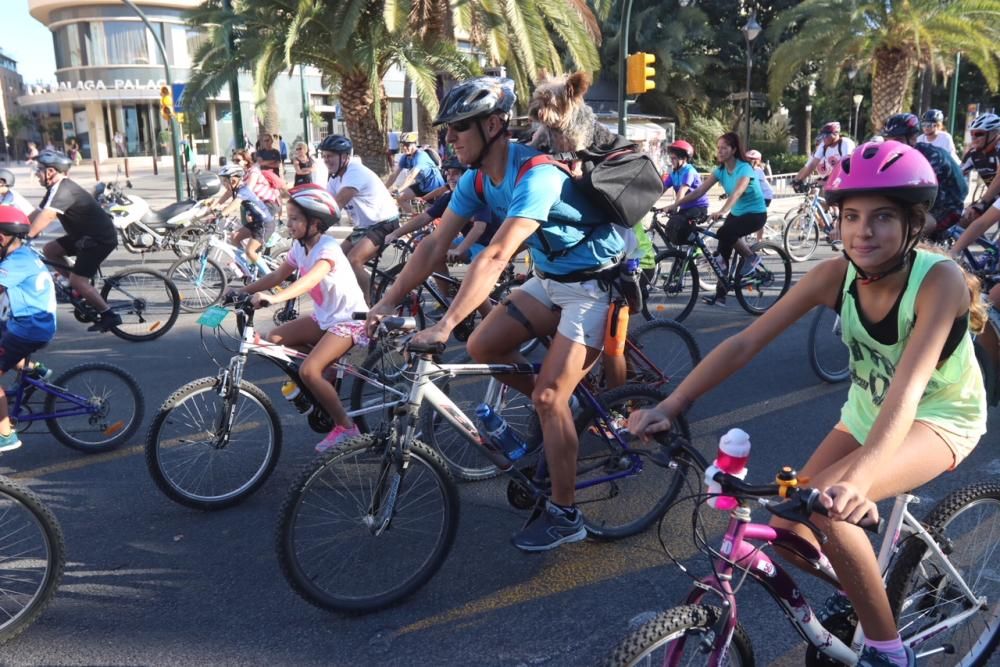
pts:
[940, 575]
[216, 440]
[801, 235]
[674, 289]
[371, 522]
[146, 300]
[32, 558]
[92, 407]
[828, 355]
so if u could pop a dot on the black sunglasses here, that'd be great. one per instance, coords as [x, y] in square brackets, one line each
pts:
[978, 133]
[462, 125]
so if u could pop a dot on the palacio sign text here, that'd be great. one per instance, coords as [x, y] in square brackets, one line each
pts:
[90, 84]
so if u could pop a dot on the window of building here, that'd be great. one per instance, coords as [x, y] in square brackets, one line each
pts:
[127, 43]
[92, 43]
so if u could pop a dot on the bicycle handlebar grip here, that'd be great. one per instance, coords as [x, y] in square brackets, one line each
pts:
[427, 348]
[359, 315]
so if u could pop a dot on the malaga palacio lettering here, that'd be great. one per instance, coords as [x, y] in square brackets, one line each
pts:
[90, 84]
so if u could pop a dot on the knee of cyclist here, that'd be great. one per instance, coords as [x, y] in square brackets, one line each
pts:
[479, 348]
[275, 338]
[311, 372]
[547, 401]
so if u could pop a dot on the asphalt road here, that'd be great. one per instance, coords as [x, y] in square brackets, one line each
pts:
[149, 582]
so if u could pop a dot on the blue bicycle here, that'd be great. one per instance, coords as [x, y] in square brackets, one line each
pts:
[371, 522]
[93, 407]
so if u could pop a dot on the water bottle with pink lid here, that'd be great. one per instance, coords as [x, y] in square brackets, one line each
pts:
[734, 451]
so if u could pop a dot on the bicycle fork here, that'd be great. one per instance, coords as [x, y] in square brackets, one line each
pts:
[228, 388]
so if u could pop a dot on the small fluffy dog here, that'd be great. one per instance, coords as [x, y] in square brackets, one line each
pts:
[567, 123]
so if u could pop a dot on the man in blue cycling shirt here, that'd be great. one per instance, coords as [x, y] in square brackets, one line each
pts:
[571, 244]
[423, 175]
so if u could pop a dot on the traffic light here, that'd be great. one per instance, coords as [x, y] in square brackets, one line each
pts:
[166, 103]
[640, 74]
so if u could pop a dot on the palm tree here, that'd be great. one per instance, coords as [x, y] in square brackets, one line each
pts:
[890, 39]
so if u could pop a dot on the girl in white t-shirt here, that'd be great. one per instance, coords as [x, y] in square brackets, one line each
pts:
[326, 275]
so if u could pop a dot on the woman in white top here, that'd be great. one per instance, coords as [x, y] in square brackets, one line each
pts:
[932, 123]
[326, 275]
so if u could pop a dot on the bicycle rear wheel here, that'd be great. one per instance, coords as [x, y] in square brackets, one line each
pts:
[828, 355]
[762, 288]
[801, 236]
[199, 460]
[675, 637]
[147, 301]
[187, 239]
[113, 402]
[922, 594]
[639, 491]
[331, 543]
[662, 353]
[674, 288]
[32, 558]
[200, 282]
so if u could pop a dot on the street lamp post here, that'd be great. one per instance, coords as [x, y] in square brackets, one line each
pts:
[174, 127]
[622, 65]
[809, 116]
[857, 108]
[750, 31]
[851, 73]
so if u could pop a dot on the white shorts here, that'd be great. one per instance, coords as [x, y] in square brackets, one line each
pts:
[584, 308]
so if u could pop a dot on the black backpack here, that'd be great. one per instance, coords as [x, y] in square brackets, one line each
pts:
[433, 154]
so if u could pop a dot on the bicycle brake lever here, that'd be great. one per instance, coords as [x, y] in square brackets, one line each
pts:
[792, 510]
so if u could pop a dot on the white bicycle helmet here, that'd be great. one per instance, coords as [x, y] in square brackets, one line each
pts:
[231, 170]
[317, 203]
[988, 122]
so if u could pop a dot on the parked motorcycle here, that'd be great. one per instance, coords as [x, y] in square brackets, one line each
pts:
[174, 227]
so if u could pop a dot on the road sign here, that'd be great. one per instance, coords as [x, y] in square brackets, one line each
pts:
[178, 94]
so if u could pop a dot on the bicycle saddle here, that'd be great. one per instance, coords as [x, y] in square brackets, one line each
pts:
[163, 215]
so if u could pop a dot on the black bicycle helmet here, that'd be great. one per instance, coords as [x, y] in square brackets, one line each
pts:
[901, 125]
[476, 98]
[54, 159]
[933, 116]
[453, 163]
[336, 143]
[13, 221]
[7, 176]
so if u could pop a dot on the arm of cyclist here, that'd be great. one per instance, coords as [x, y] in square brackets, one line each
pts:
[344, 197]
[429, 253]
[438, 192]
[943, 296]
[741, 187]
[270, 281]
[989, 196]
[411, 178]
[40, 219]
[300, 286]
[416, 223]
[817, 287]
[706, 184]
[807, 169]
[461, 253]
[976, 228]
[481, 277]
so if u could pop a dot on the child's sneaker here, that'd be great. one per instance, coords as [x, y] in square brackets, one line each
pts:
[9, 441]
[336, 437]
[39, 371]
[872, 657]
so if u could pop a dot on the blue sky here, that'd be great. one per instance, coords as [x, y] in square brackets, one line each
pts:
[28, 42]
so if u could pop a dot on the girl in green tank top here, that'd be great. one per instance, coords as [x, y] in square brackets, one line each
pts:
[916, 405]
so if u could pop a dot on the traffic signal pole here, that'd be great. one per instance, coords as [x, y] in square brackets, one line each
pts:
[622, 65]
[174, 127]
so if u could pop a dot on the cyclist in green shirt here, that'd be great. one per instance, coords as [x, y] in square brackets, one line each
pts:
[916, 406]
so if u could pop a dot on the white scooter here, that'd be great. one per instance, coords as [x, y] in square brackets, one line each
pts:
[175, 227]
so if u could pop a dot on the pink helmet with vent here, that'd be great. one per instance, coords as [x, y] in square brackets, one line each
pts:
[890, 169]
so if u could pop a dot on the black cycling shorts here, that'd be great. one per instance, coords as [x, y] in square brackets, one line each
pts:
[14, 348]
[376, 233]
[88, 251]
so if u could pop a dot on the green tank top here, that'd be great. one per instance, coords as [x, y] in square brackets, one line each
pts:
[954, 398]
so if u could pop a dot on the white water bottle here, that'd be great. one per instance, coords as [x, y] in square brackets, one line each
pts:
[734, 451]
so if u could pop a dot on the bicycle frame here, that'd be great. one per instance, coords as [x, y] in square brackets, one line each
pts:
[82, 405]
[741, 555]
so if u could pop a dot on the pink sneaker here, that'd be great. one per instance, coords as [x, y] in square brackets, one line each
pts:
[336, 437]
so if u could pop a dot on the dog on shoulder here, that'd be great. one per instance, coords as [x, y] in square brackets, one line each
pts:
[567, 124]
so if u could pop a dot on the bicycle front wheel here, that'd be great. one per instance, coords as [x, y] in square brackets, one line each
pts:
[801, 237]
[201, 459]
[32, 558]
[762, 288]
[676, 637]
[674, 288]
[200, 282]
[338, 546]
[147, 301]
[661, 353]
[108, 403]
[619, 489]
[828, 355]
[922, 594]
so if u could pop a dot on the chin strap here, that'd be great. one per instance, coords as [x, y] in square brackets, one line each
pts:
[909, 247]
[478, 162]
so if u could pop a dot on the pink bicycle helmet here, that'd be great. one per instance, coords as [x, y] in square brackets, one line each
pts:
[891, 169]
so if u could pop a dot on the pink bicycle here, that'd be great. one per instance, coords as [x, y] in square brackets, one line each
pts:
[942, 575]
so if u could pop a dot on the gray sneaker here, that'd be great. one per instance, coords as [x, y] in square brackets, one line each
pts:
[871, 657]
[750, 265]
[548, 528]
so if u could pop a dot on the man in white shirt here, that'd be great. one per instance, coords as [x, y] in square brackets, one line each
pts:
[932, 124]
[830, 150]
[359, 191]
